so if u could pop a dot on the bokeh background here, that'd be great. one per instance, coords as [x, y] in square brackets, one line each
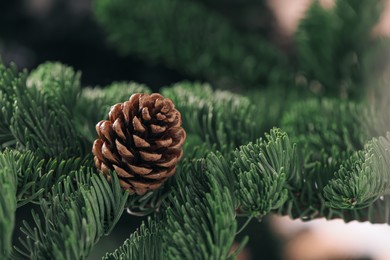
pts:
[35, 31]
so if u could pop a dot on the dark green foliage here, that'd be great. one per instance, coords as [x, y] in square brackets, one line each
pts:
[8, 186]
[321, 164]
[245, 15]
[144, 243]
[185, 35]
[58, 82]
[35, 176]
[38, 125]
[200, 218]
[363, 178]
[265, 169]
[35, 119]
[199, 215]
[80, 209]
[219, 118]
[327, 133]
[327, 130]
[377, 117]
[197, 221]
[330, 134]
[334, 45]
[9, 79]
[273, 103]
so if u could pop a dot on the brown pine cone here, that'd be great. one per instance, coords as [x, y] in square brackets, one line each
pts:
[141, 142]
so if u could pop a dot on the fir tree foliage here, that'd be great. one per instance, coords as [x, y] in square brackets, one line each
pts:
[58, 82]
[220, 118]
[363, 178]
[337, 160]
[264, 170]
[79, 210]
[200, 219]
[144, 243]
[338, 129]
[9, 79]
[40, 125]
[325, 165]
[187, 35]
[36, 176]
[203, 40]
[339, 56]
[34, 119]
[8, 186]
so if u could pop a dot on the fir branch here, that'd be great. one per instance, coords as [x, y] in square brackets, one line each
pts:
[363, 178]
[188, 36]
[39, 125]
[197, 220]
[329, 142]
[10, 79]
[144, 243]
[8, 186]
[200, 218]
[273, 102]
[336, 57]
[36, 176]
[264, 169]
[6, 137]
[80, 210]
[34, 117]
[328, 131]
[219, 118]
[58, 82]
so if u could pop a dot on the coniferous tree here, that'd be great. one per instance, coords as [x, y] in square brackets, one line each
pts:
[305, 137]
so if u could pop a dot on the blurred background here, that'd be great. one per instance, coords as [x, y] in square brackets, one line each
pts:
[35, 31]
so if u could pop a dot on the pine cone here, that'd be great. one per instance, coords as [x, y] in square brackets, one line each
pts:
[141, 142]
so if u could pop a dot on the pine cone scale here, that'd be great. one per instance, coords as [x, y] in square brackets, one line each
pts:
[115, 112]
[163, 142]
[122, 173]
[106, 152]
[105, 130]
[123, 151]
[104, 168]
[150, 157]
[97, 150]
[146, 114]
[168, 162]
[139, 170]
[139, 142]
[161, 174]
[138, 125]
[117, 127]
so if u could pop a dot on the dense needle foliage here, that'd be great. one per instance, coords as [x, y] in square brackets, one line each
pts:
[300, 139]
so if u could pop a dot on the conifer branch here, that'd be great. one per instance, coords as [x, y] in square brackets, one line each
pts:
[8, 186]
[144, 243]
[187, 35]
[80, 209]
[36, 176]
[322, 166]
[341, 55]
[363, 178]
[219, 118]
